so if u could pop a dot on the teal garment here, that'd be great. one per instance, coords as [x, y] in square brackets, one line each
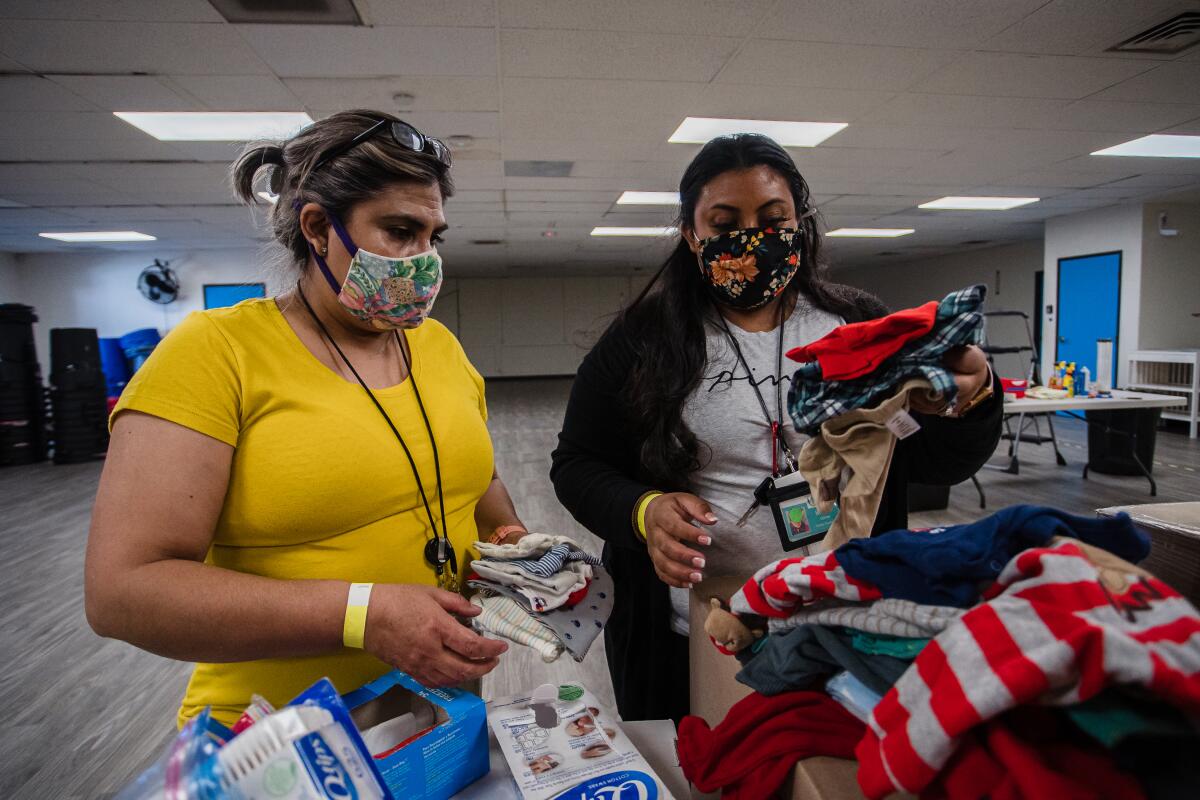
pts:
[880, 644]
[1112, 717]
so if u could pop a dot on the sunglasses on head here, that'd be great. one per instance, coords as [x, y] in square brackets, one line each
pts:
[402, 134]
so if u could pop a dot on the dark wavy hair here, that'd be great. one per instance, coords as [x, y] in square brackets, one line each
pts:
[665, 323]
[360, 174]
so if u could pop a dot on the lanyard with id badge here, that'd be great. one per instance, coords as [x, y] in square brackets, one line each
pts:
[797, 520]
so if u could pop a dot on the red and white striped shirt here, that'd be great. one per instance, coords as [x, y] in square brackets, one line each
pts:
[1051, 633]
[782, 586]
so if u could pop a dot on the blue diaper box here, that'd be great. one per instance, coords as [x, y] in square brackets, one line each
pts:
[435, 740]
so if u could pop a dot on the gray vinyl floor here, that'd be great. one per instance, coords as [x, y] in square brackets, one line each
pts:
[82, 715]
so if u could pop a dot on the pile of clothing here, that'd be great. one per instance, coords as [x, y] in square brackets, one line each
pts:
[542, 591]
[1024, 655]
[852, 394]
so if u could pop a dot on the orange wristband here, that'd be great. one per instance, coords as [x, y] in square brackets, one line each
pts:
[500, 534]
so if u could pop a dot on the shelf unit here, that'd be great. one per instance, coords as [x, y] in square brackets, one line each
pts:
[1174, 372]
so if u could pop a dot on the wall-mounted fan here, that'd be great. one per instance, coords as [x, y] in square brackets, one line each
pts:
[158, 283]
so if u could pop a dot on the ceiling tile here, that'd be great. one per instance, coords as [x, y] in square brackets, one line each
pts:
[943, 24]
[566, 150]
[624, 97]
[1191, 127]
[1020, 75]
[1108, 115]
[35, 93]
[966, 111]
[430, 93]
[112, 10]
[127, 92]
[608, 54]
[741, 101]
[1165, 83]
[701, 17]
[66, 126]
[322, 51]
[84, 150]
[832, 66]
[410, 13]
[115, 47]
[238, 92]
[480, 124]
[1080, 27]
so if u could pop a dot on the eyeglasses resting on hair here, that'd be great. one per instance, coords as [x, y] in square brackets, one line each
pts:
[403, 134]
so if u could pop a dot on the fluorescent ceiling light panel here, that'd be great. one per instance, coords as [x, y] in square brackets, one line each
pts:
[1159, 145]
[979, 203]
[220, 126]
[270, 198]
[98, 236]
[870, 233]
[698, 130]
[617, 231]
[648, 199]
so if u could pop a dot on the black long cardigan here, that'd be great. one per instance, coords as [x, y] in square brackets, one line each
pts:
[598, 477]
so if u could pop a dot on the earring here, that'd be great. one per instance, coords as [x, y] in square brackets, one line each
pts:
[324, 251]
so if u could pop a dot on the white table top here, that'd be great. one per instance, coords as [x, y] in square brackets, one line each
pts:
[1119, 400]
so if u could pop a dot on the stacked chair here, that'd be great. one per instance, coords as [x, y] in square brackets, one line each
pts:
[78, 395]
[22, 397]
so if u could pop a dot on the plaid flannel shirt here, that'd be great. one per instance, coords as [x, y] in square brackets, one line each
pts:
[812, 400]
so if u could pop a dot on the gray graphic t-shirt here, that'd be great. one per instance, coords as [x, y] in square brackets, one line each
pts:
[726, 417]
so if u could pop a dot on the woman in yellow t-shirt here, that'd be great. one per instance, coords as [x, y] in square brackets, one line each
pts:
[293, 482]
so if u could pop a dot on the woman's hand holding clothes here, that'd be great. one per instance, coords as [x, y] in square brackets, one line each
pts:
[670, 529]
[411, 627]
[968, 365]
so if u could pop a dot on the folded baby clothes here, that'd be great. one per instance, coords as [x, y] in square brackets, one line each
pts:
[576, 626]
[549, 562]
[890, 616]
[848, 459]
[531, 545]
[853, 350]
[813, 399]
[556, 586]
[503, 617]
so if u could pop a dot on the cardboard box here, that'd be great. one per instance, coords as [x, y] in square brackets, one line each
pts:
[1174, 530]
[436, 761]
[714, 690]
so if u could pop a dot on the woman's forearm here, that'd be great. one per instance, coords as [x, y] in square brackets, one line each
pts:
[197, 612]
[495, 508]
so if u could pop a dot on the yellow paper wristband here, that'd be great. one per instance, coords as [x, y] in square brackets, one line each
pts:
[354, 628]
[641, 511]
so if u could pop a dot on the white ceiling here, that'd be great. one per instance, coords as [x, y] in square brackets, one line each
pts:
[941, 96]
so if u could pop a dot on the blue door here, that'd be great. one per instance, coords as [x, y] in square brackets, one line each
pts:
[1089, 304]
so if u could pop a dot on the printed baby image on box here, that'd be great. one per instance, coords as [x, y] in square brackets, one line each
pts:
[581, 756]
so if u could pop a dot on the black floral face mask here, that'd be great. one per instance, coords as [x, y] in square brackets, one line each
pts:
[749, 268]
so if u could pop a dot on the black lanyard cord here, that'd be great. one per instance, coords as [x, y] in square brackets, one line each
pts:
[444, 538]
[775, 425]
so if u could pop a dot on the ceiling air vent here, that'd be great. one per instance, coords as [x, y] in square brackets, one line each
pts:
[487, 241]
[538, 169]
[288, 12]
[888, 253]
[1173, 36]
[978, 241]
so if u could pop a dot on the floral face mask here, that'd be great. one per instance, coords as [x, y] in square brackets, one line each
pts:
[749, 268]
[386, 292]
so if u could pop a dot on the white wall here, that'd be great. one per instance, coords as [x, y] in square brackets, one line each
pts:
[99, 290]
[9, 280]
[532, 326]
[1101, 231]
[510, 327]
[1007, 271]
[1170, 278]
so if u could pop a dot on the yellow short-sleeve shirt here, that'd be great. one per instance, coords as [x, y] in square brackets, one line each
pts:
[319, 487]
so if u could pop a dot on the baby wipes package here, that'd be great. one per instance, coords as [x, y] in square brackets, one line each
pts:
[563, 744]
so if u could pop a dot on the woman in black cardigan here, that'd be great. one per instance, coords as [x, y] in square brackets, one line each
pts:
[669, 401]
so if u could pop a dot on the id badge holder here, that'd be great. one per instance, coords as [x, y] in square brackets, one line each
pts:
[797, 520]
